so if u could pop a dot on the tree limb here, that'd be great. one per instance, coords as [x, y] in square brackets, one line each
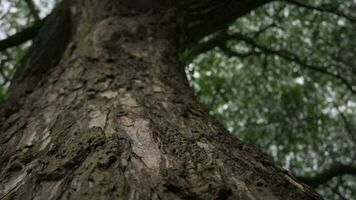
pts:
[321, 9]
[5, 78]
[199, 17]
[323, 177]
[232, 53]
[287, 55]
[348, 126]
[33, 9]
[220, 39]
[217, 40]
[335, 190]
[21, 37]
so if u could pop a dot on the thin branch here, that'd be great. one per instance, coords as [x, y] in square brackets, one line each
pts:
[264, 29]
[348, 126]
[232, 53]
[287, 55]
[33, 9]
[21, 37]
[218, 39]
[322, 9]
[5, 78]
[335, 191]
[323, 177]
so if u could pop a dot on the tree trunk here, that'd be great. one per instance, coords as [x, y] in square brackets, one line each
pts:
[101, 109]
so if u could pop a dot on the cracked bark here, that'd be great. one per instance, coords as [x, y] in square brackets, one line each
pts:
[108, 114]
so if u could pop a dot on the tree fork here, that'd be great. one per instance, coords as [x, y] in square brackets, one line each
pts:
[109, 114]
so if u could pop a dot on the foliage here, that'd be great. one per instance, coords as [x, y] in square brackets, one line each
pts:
[15, 16]
[283, 91]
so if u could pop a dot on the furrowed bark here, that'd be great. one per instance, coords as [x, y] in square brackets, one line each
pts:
[109, 115]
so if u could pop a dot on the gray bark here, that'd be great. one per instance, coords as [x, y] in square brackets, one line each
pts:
[101, 109]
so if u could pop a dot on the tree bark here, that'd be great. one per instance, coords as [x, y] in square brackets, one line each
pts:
[101, 109]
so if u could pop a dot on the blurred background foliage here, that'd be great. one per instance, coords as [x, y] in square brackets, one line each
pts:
[282, 77]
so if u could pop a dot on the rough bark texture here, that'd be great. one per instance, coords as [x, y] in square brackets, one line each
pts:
[101, 109]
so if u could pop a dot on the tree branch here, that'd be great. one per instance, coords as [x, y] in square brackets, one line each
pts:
[33, 9]
[323, 177]
[199, 17]
[21, 37]
[232, 53]
[321, 9]
[348, 126]
[287, 55]
[220, 39]
[217, 40]
[5, 78]
[335, 191]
